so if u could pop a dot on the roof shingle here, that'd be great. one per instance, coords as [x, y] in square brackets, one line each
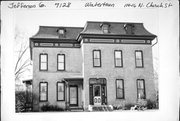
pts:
[92, 28]
[116, 28]
[51, 32]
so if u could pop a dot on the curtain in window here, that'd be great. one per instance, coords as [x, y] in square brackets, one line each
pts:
[120, 88]
[141, 89]
[43, 91]
[60, 90]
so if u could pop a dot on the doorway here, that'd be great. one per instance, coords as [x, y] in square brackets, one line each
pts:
[97, 94]
[97, 91]
[73, 95]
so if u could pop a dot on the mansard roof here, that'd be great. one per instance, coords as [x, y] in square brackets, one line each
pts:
[51, 32]
[94, 29]
[115, 28]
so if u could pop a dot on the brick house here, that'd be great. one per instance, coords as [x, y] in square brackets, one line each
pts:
[102, 63]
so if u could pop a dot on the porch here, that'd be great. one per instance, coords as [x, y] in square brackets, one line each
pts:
[74, 94]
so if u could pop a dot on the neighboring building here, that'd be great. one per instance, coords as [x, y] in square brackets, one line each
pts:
[19, 86]
[103, 63]
[28, 96]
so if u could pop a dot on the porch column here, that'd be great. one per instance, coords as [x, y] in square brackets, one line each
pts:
[67, 96]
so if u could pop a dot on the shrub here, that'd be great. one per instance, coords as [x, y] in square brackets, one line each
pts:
[151, 104]
[128, 106]
[118, 107]
[115, 107]
[20, 101]
[23, 102]
[142, 103]
[48, 107]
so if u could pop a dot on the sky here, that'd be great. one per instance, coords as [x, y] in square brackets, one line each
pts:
[30, 20]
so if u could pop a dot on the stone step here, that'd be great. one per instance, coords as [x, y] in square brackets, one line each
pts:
[101, 108]
[76, 109]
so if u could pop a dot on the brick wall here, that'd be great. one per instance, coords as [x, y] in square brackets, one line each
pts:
[129, 72]
[79, 61]
[73, 67]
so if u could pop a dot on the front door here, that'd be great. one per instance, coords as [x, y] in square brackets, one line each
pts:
[97, 94]
[97, 91]
[73, 95]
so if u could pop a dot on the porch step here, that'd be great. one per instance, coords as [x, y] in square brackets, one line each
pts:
[76, 109]
[101, 108]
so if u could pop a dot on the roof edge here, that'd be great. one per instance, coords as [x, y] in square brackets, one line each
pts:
[116, 36]
[114, 22]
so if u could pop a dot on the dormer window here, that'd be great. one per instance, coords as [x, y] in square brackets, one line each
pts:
[129, 28]
[61, 32]
[105, 27]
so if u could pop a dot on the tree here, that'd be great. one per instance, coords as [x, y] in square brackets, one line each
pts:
[21, 65]
[23, 62]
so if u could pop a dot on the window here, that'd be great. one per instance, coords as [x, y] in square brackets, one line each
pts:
[60, 91]
[43, 91]
[105, 28]
[61, 31]
[129, 28]
[118, 58]
[141, 89]
[43, 62]
[120, 89]
[96, 58]
[139, 58]
[61, 62]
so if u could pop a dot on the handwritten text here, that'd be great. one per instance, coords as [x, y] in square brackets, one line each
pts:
[98, 4]
[148, 5]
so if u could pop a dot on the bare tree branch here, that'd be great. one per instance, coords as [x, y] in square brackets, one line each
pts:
[23, 63]
[22, 67]
[20, 57]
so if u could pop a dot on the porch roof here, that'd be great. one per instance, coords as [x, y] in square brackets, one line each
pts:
[74, 81]
[74, 78]
[28, 81]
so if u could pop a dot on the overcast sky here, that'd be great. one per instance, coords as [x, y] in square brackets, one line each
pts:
[31, 19]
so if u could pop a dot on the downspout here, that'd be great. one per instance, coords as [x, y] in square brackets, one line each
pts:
[153, 67]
